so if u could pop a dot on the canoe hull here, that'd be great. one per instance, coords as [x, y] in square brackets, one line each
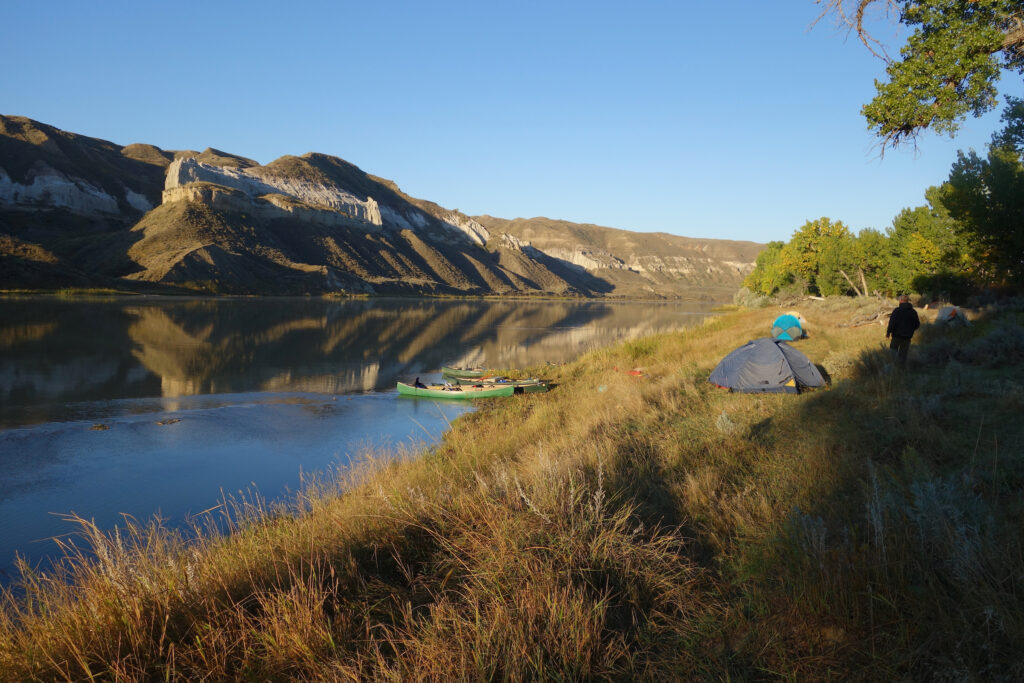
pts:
[463, 372]
[458, 393]
[525, 386]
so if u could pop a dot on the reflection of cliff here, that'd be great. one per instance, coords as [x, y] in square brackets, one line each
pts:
[54, 353]
[194, 350]
[529, 336]
[209, 347]
[344, 382]
[12, 335]
[216, 347]
[179, 358]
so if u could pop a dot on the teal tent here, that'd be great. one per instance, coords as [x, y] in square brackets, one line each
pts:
[787, 328]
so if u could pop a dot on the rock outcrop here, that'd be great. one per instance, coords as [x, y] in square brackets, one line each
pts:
[254, 183]
[45, 188]
[266, 207]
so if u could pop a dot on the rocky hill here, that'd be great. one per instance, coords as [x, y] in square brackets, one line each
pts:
[78, 211]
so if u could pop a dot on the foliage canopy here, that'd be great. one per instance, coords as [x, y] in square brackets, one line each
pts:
[986, 195]
[948, 67]
[926, 251]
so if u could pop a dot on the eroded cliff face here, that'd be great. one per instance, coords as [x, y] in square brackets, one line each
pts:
[633, 264]
[322, 202]
[43, 168]
[253, 182]
[477, 233]
[47, 188]
[265, 207]
[589, 258]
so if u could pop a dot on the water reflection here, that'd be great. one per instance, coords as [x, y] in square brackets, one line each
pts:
[199, 397]
[55, 352]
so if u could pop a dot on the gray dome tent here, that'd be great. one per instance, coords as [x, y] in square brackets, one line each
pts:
[766, 365]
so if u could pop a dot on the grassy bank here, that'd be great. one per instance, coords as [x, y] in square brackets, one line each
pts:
[650, 527]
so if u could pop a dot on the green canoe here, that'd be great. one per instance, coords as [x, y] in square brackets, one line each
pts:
[463, 372]
[461, 392]
[525, 386]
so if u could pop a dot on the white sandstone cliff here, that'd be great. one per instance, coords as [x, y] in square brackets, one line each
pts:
[268, 206]
[48, 188]
[253, 183]
[476, 233]
[324, 204]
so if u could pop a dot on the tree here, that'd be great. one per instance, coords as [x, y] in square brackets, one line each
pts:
[925, 242]
[987, 197]
[947, 69]
[871, 254]
[769, 274]
[820, 252]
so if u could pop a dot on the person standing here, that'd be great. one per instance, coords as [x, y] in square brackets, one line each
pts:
[903, 321]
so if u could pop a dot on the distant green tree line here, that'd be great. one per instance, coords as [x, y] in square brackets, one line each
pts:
[969, 236]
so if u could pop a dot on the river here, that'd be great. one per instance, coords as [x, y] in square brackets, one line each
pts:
[146, 406]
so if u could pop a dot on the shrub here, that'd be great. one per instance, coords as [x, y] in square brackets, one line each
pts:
[838, 363]
[748, 299]
[1004, 345]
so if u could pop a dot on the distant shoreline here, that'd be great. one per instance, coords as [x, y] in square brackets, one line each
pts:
[86, 293]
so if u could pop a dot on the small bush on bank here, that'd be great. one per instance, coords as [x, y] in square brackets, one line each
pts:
[748, 299]
[992, 346]
[1004, 345]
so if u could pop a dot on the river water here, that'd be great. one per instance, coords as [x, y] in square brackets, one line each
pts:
[156, 406]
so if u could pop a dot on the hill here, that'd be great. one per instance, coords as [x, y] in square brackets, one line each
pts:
[78, 212]
[634, 262]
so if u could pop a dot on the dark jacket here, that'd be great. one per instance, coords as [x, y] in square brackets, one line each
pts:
[903, 321]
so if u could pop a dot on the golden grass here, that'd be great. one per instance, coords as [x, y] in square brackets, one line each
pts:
[650, 527]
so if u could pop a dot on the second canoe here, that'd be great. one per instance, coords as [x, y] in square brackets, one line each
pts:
[460, 392]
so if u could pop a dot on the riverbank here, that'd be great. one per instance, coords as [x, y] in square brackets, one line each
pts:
[649, 526]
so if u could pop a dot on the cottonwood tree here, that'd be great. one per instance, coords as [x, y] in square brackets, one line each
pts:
[824, 257]
[948, 67]
[924, 243]
[986, 196]
[871, 258]
[769, 274]
[820, 253]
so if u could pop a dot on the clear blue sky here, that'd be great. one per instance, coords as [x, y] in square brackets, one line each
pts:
[731, 120]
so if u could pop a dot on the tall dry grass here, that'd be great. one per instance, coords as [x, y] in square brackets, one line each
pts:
[621, 526]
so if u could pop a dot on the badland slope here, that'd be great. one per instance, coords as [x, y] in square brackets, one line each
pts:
[636, 262]
[77, 211]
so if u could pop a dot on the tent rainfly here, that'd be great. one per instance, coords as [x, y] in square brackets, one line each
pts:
[766, 365]
[951, 316]
[787, 327]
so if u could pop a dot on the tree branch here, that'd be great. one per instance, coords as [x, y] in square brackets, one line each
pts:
[853, 20]
[1014, 35]
[851, 15]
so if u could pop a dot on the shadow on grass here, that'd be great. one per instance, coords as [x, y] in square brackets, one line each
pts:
[904, 551]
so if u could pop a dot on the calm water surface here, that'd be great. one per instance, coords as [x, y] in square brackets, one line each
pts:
[161, 406]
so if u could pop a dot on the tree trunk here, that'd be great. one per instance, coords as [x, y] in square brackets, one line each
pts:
[855, 290]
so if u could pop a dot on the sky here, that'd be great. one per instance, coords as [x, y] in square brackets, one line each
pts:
[732, 120]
